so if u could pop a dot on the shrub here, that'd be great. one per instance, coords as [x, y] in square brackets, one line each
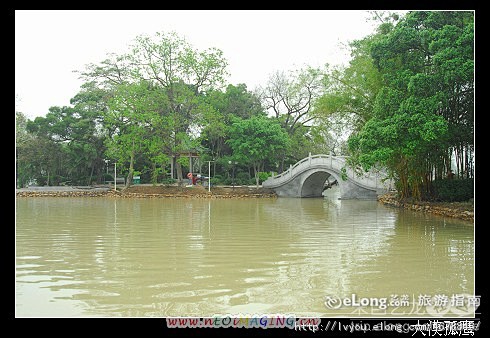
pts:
[227, 181]
[263, 176]
[215, 181]
[453, 190]
[168, 181]
[108, 177]
[242, 178]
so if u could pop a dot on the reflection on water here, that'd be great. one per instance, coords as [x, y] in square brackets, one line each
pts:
[186, 257]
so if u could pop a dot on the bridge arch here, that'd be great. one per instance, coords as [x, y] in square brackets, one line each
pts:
[313, 183]
[307, 178]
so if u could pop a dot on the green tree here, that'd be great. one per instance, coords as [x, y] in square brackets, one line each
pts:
[235, 101]
[78, 132]
[255, 140]
[350, 92]
[290, 98]
[22, 141]
[74, 130]
[174, 69]
[401, 143]
[37, 157]
[224, 107]
[131, 112]
[184, 73]
[348, 99]
[424, 111]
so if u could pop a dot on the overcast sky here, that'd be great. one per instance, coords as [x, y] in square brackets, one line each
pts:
[50, 45]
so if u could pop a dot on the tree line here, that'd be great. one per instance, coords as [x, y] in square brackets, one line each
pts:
[405, 102]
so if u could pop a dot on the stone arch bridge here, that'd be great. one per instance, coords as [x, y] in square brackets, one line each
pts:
[307, 179]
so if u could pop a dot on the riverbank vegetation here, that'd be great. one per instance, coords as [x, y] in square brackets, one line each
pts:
[404, 102]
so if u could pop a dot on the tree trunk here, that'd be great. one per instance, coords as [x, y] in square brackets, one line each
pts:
[129, 181]
[91, 174]
[281, 167]
[154, 174]
[179, 173]
[256, 172]
[172, 160]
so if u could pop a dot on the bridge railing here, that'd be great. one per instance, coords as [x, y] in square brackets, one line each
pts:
[308, 159]
[370, 180]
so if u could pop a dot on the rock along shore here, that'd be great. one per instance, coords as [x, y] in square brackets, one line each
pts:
[461, 210]
[149, 192]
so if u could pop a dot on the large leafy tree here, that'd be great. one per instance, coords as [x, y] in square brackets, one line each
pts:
[236, 101]
[424, 111]
[349, 92]
[74, 135]
[131, 112]
[177, 72]
[290, 98]
[39, 160]
[256, 140]
[23, 142]
[74, 130]
[225, 107]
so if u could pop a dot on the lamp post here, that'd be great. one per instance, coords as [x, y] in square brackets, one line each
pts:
[209, 174]
[106, 166]
[115, 176]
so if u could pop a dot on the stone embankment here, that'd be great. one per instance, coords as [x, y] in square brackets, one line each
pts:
[461, 210]
[152, 192]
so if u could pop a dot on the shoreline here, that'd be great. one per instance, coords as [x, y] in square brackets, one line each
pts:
[144, 191]
[459, 210]
[463, 211]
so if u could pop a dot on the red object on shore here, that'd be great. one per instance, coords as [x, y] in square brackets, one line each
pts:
[194, 180]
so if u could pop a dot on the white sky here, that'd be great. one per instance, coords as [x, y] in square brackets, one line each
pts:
[50, 45]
